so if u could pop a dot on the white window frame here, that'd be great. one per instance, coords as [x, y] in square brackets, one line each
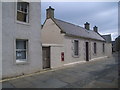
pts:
[74, 48]
[21, 61]
[28, 14]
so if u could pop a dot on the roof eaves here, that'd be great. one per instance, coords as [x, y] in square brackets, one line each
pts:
[84, 37]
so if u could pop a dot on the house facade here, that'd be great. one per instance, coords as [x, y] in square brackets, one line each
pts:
[21, 42]
[69, 44]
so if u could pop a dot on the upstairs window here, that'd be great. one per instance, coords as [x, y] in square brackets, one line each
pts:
[21, 50]
[23, 11]
[76, 47]
[94, 48]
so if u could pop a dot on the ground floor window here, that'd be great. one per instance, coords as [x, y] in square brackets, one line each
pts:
[103, 47]
[76, 47]
[21, 50]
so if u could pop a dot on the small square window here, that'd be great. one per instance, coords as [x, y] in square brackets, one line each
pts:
[21, 50]
[23, 11]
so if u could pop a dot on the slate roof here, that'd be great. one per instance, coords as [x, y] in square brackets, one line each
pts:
[75, 30]
[107, 38]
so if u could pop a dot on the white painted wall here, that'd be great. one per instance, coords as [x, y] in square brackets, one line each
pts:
[11, 30]
[55, 54]
[50, 33]
[108, 49]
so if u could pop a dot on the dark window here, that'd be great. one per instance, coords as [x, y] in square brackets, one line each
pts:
[76, 47]
[95, 48]
[22, 11]
[103, 47]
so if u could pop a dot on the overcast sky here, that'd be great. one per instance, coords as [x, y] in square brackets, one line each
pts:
[102, 14]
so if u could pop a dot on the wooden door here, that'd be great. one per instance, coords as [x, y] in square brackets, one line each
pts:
[46, 57]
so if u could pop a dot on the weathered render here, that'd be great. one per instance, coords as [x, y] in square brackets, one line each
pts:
[56, 32]
[12, 30]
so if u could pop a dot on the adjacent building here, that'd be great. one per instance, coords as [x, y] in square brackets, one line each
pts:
[64, 43]
[21, 42]
[117, 44]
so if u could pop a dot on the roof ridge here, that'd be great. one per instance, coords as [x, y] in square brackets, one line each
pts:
[73, 25]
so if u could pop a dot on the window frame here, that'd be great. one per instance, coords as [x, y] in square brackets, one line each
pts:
[28, 14]
[74, 48]
[95, 48]
[21, 61]
[103, 47]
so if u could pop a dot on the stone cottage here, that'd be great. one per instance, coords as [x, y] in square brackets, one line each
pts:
[64, 43]
[21, 42]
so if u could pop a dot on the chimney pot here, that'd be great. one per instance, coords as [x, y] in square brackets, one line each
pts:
[87, 26]
[95, 29]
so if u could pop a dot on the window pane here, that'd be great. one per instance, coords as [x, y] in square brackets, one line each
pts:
[18, 5]
[21, 16]
[20, 44]
[20, 55]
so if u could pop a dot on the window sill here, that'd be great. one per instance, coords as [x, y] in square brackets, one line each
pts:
[21, 62]
[76, 56]
[23, 23]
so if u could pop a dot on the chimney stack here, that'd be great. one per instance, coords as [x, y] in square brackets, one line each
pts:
[95, 29]
[49, 13]
[87, 26]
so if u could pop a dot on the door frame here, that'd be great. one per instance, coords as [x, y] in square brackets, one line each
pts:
[43, 58]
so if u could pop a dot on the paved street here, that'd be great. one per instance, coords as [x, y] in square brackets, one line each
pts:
[94, 74]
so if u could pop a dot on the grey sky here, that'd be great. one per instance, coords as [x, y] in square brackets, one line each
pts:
[102, 14]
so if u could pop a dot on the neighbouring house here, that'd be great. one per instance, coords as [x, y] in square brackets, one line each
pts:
[21, 41]
[113, 46]
[117, 44]
[107, 38]
[64, 43]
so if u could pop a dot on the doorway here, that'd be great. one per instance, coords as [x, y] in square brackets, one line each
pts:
[87, 51]
[46, 57]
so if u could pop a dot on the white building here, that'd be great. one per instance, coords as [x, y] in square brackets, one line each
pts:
[65, 43]
[21, 42]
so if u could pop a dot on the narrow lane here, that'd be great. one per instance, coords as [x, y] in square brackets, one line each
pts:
[94, 74]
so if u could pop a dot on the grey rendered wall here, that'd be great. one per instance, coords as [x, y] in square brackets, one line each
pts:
[68, 49]
[13, 30]
[99, 50]
[108, 49]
